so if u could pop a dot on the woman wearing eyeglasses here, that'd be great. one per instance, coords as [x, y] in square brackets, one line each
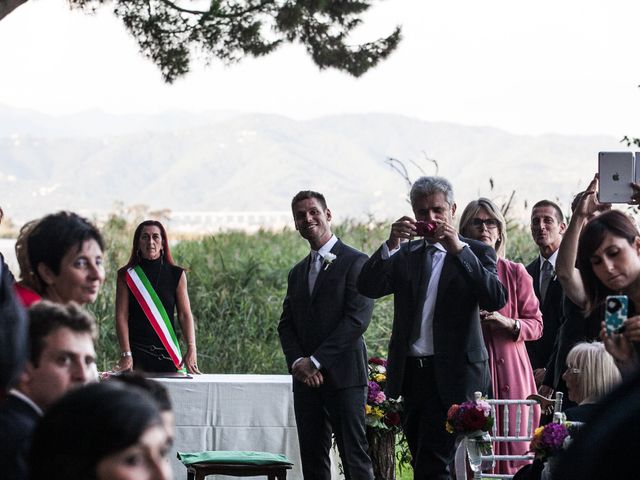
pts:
[506, 330]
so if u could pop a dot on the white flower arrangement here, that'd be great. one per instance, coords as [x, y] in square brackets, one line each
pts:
[328, 259]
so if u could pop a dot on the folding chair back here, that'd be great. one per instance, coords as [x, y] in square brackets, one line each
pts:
[505, 431]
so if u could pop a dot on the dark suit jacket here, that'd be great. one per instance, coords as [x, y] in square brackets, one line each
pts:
[13, 332]
[18, 420]
[541, 350]
[468, 281]
[329, 322]
[575, 328]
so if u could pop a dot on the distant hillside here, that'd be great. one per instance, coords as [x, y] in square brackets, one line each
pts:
[234, 162]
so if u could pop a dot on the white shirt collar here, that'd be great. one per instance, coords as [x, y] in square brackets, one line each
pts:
[326, 248]
[438, 246]
[27, 400]
[418, 245]
[551, 260]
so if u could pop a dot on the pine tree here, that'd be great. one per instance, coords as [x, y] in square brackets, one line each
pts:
[170, 33]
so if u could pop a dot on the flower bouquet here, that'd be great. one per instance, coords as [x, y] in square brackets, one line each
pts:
[473, 419]
[382, 418]
[382, 413]
[550, 439]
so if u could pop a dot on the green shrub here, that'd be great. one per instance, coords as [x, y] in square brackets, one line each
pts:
[237, 282]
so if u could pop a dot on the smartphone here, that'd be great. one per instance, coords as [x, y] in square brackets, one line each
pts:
[616, 307]
[616, 172]
[425, 229]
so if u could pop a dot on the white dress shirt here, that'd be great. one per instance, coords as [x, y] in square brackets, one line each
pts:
[423, 346]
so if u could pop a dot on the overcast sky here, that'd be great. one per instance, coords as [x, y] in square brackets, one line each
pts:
[531, 67]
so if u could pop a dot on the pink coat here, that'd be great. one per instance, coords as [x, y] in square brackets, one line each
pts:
[511, 372]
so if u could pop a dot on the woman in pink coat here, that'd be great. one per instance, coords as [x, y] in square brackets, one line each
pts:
[506, 330]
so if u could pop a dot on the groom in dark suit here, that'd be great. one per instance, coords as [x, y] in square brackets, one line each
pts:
[321, 327]
[437, 355]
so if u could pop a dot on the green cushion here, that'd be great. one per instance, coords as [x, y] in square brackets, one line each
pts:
[232, 456]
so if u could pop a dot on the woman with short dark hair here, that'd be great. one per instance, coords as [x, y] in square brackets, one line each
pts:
[103, 431]
[65, 252]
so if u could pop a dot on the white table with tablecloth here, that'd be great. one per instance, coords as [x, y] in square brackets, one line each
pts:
[234, 412]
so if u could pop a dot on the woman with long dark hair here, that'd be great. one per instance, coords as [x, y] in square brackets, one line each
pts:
[149, 288]
[609, 263]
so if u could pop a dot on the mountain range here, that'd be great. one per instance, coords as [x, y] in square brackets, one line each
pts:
[241, 162]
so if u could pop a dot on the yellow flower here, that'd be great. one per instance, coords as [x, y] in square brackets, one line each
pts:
[379, 377]
[538, 432]
[377, 412]
[367, 409]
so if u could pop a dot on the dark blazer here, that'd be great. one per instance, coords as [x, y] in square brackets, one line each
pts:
[541, 350]
[575, 328]
[18, 420]
[468, 281]
[13, 332]
[329, 322]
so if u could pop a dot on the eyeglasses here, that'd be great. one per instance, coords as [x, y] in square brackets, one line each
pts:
[490, 223]
[573, 370]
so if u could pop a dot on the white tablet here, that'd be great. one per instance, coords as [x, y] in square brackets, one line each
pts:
[616, 171]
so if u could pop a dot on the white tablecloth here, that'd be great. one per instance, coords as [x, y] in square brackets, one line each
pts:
[234, 412]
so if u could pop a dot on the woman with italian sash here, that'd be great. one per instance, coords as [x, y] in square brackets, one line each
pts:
[149, 289]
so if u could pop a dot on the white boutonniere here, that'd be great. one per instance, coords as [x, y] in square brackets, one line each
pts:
[328, 259]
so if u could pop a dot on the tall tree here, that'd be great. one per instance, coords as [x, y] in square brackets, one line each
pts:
[170, 32]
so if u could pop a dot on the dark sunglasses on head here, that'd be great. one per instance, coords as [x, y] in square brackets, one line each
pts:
[489, 222]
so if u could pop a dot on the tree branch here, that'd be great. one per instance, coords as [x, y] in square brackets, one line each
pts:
[172, 5]
[8, 6]
[212, 13]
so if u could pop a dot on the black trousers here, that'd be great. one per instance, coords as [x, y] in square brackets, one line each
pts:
[320, 411]
[151, 358]
[423, 422]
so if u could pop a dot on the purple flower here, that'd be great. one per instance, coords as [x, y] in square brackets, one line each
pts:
[553, 436]
[374, 390]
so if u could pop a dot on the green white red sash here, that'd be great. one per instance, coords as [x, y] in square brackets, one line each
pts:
[155, 312]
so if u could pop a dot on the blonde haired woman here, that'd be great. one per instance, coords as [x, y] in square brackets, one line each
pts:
[590, 375]
[506, 330]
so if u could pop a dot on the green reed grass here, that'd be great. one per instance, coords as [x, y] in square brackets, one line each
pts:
[236, 284]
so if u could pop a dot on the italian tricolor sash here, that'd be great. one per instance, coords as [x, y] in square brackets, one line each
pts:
[154, 310]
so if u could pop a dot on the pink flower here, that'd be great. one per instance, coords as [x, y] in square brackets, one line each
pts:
[380, 397]
[484, 407]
